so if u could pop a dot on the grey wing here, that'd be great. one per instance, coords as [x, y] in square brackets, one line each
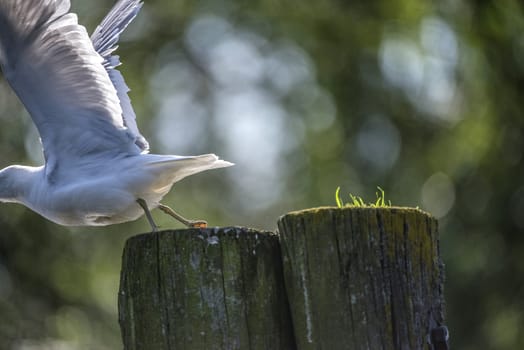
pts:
[105, 41]
[50, 62]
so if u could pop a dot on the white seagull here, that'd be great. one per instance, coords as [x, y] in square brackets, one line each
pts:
[98, 169]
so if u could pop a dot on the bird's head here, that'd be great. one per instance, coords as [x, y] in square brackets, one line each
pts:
[15, 181]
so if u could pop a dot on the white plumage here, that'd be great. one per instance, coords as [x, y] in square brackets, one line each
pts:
[97, 167]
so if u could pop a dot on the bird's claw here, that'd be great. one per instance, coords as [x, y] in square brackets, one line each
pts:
[197, 224]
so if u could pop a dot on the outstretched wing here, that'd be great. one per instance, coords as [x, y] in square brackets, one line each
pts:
[105, 39]
[50, 62]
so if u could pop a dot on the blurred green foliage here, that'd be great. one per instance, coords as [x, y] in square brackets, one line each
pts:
[422, 97]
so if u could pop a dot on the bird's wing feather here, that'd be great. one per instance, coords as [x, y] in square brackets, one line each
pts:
[105, 39]
[50, 62]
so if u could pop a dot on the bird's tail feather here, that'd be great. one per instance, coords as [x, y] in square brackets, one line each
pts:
[189, 165]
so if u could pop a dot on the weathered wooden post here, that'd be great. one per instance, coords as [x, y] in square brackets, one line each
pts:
[362, 278]
[355, 278]
[204, 289]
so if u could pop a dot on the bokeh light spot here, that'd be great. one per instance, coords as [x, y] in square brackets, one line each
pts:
[438, 194]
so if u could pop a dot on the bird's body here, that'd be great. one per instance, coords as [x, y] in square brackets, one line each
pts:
[98, 169]
[92, 195]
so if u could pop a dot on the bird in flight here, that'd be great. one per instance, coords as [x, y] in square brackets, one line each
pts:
[98, 170]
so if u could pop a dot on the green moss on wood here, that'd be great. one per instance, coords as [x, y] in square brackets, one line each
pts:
[322, 210]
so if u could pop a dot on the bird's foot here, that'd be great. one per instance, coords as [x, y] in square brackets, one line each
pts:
[197, 223]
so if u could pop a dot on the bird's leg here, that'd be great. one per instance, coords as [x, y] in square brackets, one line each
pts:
[188, 223]
[143, 204]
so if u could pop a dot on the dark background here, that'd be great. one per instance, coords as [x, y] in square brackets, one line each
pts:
[422, 99]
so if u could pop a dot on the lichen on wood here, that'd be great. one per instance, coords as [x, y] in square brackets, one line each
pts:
[362, 278]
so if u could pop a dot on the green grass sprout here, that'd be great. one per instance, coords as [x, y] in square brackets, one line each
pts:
[339, 201]
[357, 201]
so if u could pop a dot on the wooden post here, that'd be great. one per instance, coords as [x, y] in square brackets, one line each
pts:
[362, 278]
[204, 289]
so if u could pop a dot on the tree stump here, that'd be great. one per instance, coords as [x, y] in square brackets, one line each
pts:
[204, 289]
[362, 278]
